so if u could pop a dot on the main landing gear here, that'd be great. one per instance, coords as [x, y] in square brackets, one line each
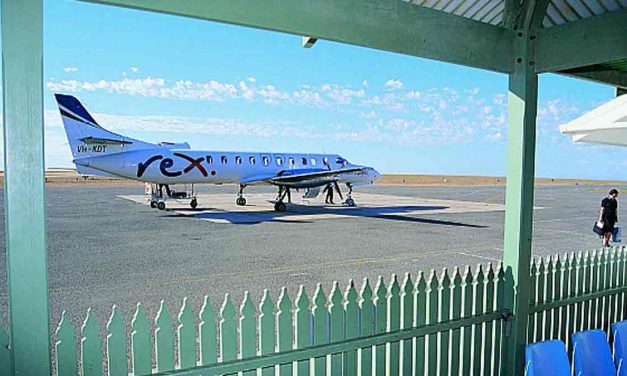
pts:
[241, 201]
[279, 205]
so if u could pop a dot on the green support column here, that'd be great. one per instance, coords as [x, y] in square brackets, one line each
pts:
[522, 108]
[22, 77]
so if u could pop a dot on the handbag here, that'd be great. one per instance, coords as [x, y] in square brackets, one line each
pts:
[616, 235]
[598, 228]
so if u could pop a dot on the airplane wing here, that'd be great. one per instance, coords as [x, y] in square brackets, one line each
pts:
[302, 178]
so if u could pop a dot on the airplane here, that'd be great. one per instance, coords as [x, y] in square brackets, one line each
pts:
[97, 151]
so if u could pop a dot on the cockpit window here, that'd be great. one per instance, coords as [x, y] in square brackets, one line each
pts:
[325, 161]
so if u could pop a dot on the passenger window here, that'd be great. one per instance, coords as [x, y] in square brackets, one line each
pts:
[304, 160]
[223, 159]
[251, 160]
[292, 162]
[313, 161]
[238, 160]
[279, 161]
[209, 159]
[266, 160]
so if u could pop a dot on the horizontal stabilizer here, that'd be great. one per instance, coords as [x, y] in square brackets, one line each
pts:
[107, 141]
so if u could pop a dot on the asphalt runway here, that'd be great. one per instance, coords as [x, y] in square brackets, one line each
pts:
[105, 250]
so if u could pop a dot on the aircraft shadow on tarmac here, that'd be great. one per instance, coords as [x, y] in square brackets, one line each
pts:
[250, 217]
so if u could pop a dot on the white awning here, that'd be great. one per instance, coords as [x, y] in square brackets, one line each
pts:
[606, 124]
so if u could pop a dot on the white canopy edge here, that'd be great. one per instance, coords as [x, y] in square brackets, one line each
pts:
[606, 124]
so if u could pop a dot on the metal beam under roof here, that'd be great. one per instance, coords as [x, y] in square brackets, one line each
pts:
[394, 26]
[596, 40]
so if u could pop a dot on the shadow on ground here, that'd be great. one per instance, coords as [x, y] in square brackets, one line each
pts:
[248, 217]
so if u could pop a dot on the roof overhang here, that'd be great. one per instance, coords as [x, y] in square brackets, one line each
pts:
[606, 124]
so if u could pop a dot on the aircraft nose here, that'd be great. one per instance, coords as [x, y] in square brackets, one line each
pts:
[375, 174]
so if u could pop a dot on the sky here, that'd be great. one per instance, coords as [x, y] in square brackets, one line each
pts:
[222, 87]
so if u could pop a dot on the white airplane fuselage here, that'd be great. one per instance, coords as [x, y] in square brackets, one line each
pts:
[165, 165]
[98, 151]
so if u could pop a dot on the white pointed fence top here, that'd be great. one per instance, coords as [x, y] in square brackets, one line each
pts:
[606, 124]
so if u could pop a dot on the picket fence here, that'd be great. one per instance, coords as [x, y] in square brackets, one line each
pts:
[575, 292]
[447, 324]
[472, 347]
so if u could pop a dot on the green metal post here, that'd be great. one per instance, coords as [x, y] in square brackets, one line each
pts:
[522, 103]
[22, 76]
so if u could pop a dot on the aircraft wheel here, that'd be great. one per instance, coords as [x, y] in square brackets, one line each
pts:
[280, 207]
[161, 205]
[241, 201]
[193, 203]
[350, 202]
[153, 204]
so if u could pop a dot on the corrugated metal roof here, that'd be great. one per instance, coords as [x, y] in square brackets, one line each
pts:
[491, 11]
[618, 65]
[563, 11]
[487, 11]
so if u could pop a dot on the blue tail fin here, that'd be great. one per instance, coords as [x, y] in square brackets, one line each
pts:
[86, 137]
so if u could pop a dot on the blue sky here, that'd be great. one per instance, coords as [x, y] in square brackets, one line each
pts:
[225, 87]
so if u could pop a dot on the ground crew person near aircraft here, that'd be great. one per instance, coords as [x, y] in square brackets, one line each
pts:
[608, 215]
[329, 191]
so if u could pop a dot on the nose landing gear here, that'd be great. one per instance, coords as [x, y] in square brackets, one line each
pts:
[280, 205]
[349, 200]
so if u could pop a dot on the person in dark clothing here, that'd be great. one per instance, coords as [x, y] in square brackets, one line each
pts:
[329, 191]
[608, 215]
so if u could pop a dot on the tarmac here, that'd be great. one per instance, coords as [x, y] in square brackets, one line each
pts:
[107, 246]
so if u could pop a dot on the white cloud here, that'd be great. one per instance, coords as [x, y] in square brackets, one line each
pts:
[152, 87]
[365, 83]
[368, 115]
[251, 79]
[271, 95]
[134, 69]
[70, 69]
[394, 84]
[247, 92]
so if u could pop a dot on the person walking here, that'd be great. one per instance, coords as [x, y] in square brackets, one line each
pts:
[329, 191]
[608, 215]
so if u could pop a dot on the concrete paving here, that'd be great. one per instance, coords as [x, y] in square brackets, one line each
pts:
[221, 208]
[104, 250]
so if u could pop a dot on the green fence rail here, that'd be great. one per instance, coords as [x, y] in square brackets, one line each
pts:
[447, 324]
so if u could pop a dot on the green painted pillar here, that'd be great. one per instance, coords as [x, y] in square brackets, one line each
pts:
[22, 78]
[522, 108]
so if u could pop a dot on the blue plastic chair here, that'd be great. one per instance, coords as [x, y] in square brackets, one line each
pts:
[592, 355]
[547, 359]
[620, 347]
